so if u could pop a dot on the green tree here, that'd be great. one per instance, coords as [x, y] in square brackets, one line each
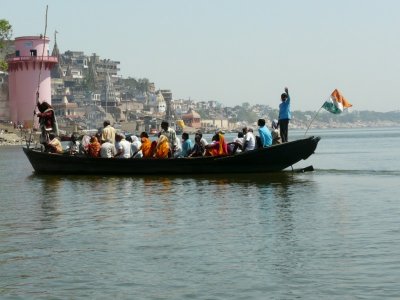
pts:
[246, 105]
[143, 85]
[5, 34]
[247, 115]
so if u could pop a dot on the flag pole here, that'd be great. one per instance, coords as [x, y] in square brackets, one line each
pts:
[308, 127]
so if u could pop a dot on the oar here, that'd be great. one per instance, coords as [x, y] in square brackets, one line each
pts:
[40, 73]
[306, 169]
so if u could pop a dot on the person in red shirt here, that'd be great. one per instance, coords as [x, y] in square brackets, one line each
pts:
[47, 121]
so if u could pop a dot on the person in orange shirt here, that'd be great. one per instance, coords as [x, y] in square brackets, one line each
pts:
[218, 147]
[94, 147]
[146, 148]
[162, 148]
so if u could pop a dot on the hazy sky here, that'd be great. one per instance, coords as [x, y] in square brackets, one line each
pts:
[235, 51]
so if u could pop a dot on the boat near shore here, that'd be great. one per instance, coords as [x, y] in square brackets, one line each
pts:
[264, 160]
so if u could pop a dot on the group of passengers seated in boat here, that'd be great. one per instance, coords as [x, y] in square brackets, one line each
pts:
[108, 143]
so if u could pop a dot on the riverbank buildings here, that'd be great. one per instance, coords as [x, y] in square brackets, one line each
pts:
[87, 89]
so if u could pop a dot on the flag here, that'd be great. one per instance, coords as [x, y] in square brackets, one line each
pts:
[336, 103]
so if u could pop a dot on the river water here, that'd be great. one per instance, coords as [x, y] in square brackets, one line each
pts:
[329, 234]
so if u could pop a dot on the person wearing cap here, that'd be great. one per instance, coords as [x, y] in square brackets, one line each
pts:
[276, 136]
[264, 134]
[122, 146]
[284, 115]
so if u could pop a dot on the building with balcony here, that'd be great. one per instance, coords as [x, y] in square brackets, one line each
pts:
[29, 73]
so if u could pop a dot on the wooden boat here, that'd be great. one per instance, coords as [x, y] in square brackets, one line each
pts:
[271, 159]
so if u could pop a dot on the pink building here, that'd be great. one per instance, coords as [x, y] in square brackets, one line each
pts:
[31, 61]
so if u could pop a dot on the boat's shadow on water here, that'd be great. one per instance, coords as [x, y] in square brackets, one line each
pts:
[262, 179]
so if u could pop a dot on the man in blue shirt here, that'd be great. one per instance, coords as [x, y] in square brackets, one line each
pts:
[264, 133]
[284, 115]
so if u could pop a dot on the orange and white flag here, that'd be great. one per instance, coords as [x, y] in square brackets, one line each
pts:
[336, 103]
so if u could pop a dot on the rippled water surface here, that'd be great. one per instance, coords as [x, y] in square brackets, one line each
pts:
[329, 234]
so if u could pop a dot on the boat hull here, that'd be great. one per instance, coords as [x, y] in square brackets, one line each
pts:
[271, 159]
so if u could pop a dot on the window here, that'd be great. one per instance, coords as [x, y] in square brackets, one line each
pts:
[33, 53]
[17, 53]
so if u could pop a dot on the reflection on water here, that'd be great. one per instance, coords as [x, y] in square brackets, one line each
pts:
[326, 234]
[148, 185]
[161, 194]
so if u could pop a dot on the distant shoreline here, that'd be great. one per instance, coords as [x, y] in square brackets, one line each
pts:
[13, 139]
[336, 125]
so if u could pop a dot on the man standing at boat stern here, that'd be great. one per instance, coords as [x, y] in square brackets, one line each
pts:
[170, 134]
[284, 115]
[264, 133]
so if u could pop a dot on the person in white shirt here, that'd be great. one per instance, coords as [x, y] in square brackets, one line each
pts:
[107, 149]
[237, 145]
[122, 146]
[178, 147]
[249, 139]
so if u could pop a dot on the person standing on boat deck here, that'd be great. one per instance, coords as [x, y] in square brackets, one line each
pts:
[284, 115]
[122, 146]
[170, 134]
[108, 132]
[47, 121]
[107, 149]
[249, 140]
[276, 136]
[264, 134]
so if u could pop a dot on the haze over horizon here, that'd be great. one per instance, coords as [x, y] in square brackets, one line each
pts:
[235, 51]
